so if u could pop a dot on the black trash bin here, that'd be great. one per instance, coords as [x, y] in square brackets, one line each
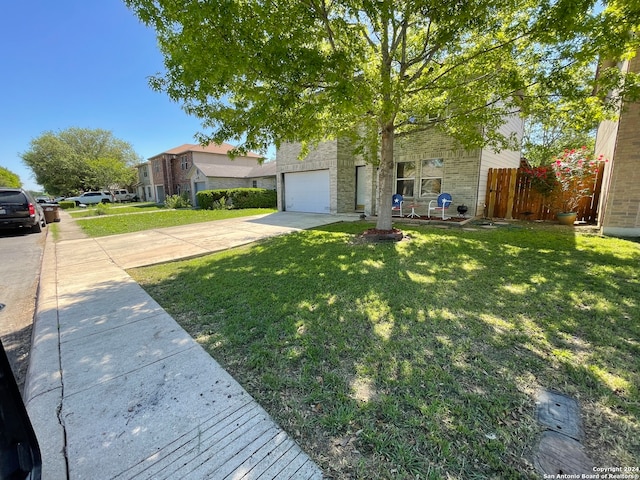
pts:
[51, 212]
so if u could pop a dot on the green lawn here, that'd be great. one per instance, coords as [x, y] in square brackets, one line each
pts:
[115, 224]
[421, 359]
[117, 209]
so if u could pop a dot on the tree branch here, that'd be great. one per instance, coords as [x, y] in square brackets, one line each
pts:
[322, 11]
[468, 59]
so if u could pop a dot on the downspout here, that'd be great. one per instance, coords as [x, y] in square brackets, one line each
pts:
[484, 209]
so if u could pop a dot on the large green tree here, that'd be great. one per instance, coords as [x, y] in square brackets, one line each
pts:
[264, 72]
[80, 159]
[9, 179]
[557, 122]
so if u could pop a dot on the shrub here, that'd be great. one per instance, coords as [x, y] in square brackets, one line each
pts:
[543, 178]
[237, 198]
[575, 172]
[212, 199]
[101, 208]
[65, 204]
[177, 201]
[253, 198]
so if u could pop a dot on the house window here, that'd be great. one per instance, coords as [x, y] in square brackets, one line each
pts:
[431, 177]
[145, 173]
[184, 163]
[254, 184]
[405, 178]
[156, 166]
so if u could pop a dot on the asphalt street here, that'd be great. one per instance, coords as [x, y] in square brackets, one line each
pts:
[20, 261]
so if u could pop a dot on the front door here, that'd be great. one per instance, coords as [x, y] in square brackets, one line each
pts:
[160, 193]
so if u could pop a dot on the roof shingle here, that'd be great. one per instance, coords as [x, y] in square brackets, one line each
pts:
[222, 149]
[230, 170]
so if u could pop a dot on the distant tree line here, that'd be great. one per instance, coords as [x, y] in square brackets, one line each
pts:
[81, 159]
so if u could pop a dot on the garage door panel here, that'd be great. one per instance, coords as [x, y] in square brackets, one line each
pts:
[307, 191]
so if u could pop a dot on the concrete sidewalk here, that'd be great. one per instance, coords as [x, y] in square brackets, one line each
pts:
[117, 389]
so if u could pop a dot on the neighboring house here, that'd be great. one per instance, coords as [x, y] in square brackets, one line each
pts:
[219, 172]
[190, 168]
[619, 141]
[331, 180]
[144, 187]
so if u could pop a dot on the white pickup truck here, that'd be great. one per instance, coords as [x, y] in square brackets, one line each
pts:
[91, 198]
[122, 196]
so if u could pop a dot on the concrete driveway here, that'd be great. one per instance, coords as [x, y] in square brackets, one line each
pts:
[167, 244]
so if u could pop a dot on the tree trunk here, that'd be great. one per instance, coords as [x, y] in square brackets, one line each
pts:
[385, 179]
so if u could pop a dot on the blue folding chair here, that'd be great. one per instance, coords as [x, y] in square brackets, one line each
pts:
[441, 204]
[396, 204]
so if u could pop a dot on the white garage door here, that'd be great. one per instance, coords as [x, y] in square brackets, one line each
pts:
[307, 191]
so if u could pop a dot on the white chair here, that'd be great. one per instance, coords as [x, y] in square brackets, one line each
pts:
[396, 204]
[441, 204]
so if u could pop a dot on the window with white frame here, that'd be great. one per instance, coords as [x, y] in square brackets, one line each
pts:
[405, 178]
[431, 174]
[184, 163]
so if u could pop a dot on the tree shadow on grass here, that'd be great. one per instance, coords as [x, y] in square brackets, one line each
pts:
[421, 357]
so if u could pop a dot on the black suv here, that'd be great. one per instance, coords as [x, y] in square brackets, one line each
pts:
[19, 209]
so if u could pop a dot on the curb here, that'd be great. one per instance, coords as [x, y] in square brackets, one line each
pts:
[43, 384]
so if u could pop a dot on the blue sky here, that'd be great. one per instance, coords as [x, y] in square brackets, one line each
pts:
[81, 63]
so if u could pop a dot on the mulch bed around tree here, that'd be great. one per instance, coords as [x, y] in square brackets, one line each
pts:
[375, 235]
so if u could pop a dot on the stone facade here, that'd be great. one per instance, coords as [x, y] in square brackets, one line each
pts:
[620, 143]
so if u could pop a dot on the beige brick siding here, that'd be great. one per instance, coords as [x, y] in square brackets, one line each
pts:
[622, 201]
[323, 157]
[460, 175]
[214, 183]
[345, 179]
[267, 182]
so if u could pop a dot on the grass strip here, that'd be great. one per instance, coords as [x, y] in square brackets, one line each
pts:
[116, 224]
[109, 209]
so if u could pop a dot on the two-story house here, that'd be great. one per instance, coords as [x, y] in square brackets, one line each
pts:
[191, 168]
[330, 179]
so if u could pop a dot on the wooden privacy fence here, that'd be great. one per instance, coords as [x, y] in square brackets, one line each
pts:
[510, 195]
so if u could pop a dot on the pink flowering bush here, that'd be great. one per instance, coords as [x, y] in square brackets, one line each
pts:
[542, 179]
[575, 171]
